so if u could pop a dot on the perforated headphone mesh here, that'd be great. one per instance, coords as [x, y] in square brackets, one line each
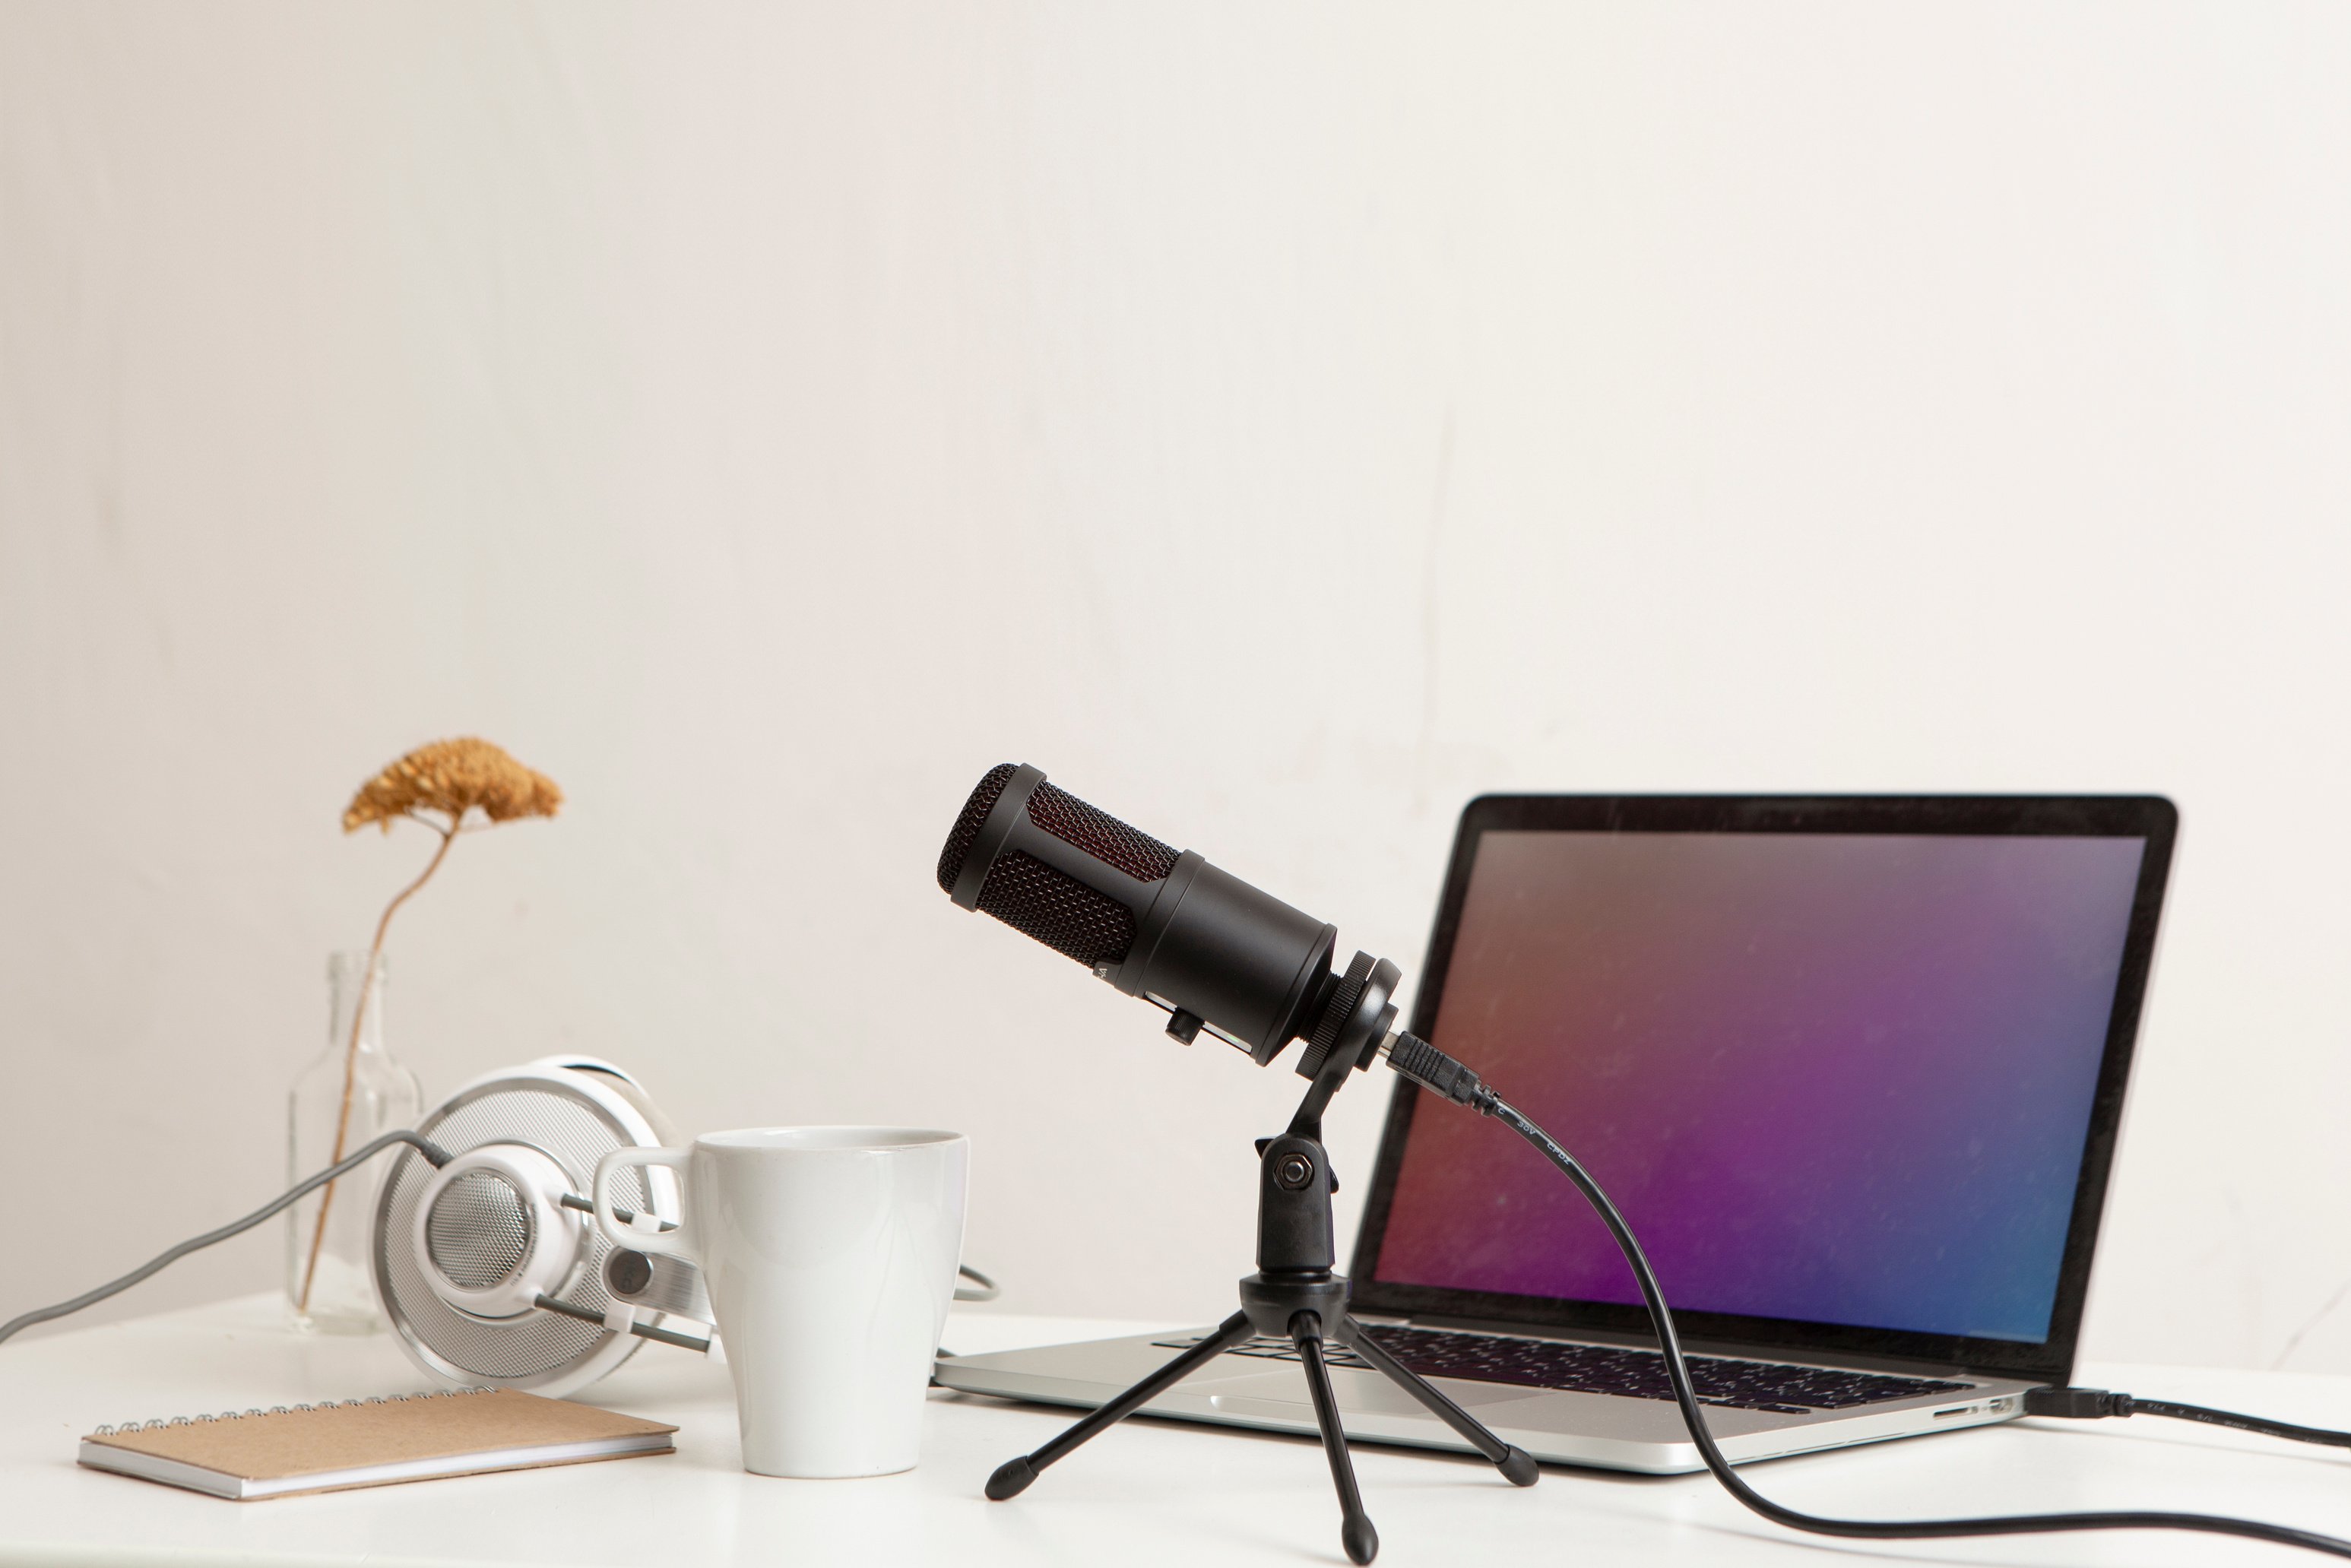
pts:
[539, 1351]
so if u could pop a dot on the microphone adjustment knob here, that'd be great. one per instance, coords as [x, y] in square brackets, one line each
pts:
[1185, 1026]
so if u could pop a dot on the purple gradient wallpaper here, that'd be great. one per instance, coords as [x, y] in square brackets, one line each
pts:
[1845, 1079]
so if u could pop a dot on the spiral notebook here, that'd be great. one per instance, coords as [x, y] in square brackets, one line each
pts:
[369, 1442]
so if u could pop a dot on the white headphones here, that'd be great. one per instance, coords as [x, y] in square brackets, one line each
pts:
[488, 1274]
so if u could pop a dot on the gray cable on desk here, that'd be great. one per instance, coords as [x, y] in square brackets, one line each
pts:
[279, 1205]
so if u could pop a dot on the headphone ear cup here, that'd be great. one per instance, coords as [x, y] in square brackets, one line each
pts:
[557, 1115]
[493, 1234]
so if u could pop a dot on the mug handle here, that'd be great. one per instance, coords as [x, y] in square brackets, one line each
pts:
[677, 1243]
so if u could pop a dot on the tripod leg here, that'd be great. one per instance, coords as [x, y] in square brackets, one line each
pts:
[1013, 1475]
[1355, 1531]
[1518, 1466]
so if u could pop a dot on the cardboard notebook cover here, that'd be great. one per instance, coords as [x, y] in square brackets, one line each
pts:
[373, 1443]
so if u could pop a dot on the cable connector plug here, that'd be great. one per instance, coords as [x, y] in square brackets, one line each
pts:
[2076, 1403]
[1439, 1073]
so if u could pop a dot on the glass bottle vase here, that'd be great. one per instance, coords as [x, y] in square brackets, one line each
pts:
[351, 1092]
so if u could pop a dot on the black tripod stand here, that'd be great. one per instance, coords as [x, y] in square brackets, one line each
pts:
[1294, 1296]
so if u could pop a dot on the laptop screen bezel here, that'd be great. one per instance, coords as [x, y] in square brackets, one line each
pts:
[2149, 818]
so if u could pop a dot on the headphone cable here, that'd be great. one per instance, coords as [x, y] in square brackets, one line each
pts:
[279, 1205]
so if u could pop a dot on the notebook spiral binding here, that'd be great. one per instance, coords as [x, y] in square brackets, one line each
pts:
[159, 1424]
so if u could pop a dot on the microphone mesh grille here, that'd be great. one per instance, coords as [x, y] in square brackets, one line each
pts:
[1060, 911]
[966, 826]
[1096, 831]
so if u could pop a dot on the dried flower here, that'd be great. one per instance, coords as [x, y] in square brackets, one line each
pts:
[454, 777]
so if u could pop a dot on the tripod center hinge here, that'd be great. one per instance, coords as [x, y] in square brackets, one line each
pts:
[1293, 1205]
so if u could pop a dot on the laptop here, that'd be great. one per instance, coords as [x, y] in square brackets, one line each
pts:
[1850, 1066]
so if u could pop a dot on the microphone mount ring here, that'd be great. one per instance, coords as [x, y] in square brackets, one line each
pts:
[1355, 1019]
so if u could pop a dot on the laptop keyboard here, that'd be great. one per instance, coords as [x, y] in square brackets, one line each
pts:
[1609, 1369]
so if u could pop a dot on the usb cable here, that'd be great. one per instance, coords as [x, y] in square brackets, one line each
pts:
[2094, 1404]
[1440, 1075]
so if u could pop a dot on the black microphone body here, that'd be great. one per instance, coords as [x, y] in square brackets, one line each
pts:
[1156, 923]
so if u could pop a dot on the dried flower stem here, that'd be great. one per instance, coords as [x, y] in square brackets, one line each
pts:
[453, 778]
[351, 1050]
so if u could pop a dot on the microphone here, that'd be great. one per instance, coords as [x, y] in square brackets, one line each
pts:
[1219, 955]
[1165, 926]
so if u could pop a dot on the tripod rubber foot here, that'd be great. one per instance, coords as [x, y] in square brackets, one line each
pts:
[1518, 1468]
[1362, 1541]
[1013, 1475]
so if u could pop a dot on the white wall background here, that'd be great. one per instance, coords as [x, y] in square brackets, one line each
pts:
[1280, 422]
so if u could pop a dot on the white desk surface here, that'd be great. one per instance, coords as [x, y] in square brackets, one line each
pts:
[1149, 1492]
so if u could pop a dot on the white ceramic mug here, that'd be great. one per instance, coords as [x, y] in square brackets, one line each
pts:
[830, 1256]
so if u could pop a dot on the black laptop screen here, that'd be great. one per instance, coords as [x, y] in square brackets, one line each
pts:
[1839, 1078]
